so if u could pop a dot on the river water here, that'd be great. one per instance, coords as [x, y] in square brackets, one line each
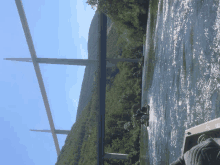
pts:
[181, 80]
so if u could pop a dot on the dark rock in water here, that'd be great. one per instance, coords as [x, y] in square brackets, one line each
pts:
[143, 115]
[146, 109]
[139, 114]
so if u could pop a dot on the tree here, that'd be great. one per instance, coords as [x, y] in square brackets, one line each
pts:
[93, 3]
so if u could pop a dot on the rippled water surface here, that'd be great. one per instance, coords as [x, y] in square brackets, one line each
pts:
[181, 80]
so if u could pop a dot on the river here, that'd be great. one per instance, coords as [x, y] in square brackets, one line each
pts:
[181, 80]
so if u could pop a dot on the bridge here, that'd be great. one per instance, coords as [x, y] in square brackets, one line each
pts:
[102, 64]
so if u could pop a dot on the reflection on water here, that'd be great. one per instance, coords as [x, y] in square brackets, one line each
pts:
[181, 80]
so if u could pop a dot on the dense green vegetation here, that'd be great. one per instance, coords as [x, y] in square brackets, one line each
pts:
[130, 18]
[123, 90]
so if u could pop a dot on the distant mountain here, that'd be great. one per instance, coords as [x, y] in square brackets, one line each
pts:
[89, 75]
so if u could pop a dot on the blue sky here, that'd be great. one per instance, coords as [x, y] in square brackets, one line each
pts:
[59, 29]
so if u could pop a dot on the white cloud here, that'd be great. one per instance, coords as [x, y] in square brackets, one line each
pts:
[82, 15]
[84, 18]
[73, 94]
[75, 102]
[84, 54]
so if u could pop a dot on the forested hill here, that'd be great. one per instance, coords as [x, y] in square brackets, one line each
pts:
[87, 84]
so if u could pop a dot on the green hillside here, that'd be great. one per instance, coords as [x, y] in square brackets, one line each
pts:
[123, 90]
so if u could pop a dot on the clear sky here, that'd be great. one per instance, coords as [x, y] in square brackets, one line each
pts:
[59, 29]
